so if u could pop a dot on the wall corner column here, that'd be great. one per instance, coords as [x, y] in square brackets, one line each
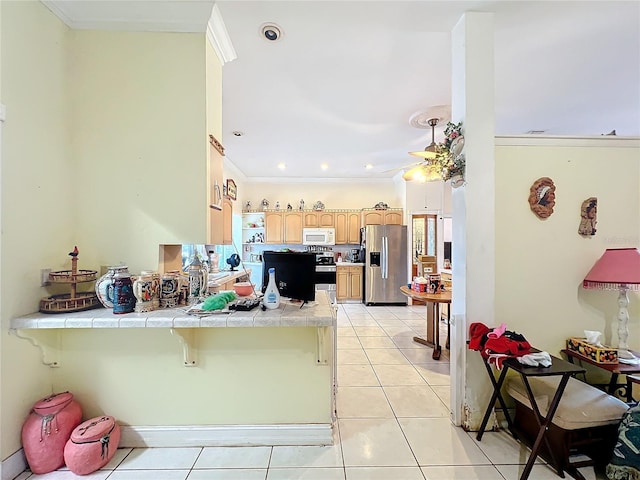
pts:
[473, 211]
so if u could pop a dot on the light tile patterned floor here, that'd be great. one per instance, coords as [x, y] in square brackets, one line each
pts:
[393, 423]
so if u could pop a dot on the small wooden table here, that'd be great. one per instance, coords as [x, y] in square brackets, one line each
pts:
[615, 369]
[433, 301]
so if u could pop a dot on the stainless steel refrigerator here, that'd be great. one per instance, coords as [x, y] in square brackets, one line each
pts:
[386, 264]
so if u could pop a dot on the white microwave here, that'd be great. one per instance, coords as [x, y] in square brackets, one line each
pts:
[318, 236]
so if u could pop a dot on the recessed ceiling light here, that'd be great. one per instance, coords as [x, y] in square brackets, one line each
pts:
[237, 133]
[271, 32]
[324, 166]
[368, 166]
[282, 166]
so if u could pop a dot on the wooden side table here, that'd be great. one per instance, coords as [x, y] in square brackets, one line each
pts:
[433, 301]
[616, 369]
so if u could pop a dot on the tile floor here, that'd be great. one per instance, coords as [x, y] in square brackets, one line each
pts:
[393, 423]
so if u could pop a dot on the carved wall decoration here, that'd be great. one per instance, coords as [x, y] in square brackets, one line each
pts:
[589, 214]
[542, 197]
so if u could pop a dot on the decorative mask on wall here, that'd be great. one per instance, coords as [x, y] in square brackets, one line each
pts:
[589, 214]
[542, 197]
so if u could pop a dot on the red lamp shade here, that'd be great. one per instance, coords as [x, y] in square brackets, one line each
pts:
[615, 268]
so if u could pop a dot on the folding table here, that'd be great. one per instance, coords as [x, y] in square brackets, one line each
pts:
[558, 368]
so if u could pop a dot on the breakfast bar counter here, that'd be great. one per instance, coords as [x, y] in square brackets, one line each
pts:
[243, 378]
[290, 314]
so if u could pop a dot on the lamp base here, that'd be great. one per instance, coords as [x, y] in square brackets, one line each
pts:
[625, 356]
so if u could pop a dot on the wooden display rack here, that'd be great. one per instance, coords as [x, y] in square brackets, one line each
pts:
[74, 301]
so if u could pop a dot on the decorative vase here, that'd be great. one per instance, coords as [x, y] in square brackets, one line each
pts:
[47, 429]
[105, 283]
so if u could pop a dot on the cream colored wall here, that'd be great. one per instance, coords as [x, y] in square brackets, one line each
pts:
[214, 92]
[140, 144]
[540, 264]
[334, 195]
[244, 376]
[38, 211]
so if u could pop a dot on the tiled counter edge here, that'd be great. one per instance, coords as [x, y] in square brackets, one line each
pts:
[289, 316]
[321, 315]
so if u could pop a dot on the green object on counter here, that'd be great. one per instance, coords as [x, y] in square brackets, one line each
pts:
[218, 301]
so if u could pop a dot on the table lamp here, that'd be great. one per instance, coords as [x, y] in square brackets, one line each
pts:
[617, 269]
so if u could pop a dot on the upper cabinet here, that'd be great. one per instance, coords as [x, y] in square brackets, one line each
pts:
[283, 227]
[347, 227]
[318, 219]
[273, 227]
[292, 227]
[227, 220]
[215, 229]
[390, 216]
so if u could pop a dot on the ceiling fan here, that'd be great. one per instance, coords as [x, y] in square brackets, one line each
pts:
[421, 170]
[430, 151]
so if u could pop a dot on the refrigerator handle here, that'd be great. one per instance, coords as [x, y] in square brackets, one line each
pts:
[385, 257]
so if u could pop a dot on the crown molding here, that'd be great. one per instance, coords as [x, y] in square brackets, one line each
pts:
[603, 141]
[116, 20]
[219, 37]
[58, 12]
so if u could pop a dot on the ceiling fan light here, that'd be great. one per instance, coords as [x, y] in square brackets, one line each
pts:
[422, 173]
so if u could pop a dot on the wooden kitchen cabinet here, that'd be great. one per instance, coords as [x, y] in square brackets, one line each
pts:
[326, 219]
[391, 216]
[310, 219]
[215, 209]
[283, 227]
[348, 283]
[227, 221]
[273, 227]
[292, 227]
[347, 226]
[318, 219]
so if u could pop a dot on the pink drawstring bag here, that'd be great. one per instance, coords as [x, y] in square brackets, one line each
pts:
[47, 429]
[92, 445]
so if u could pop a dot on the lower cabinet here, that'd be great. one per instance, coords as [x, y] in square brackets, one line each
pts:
[349, 283]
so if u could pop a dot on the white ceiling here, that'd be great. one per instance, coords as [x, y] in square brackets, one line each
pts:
[341, 84]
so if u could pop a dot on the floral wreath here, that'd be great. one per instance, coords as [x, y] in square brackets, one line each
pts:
[445, 163]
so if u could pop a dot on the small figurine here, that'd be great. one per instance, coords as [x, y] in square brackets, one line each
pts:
[265, 204]
[278, 205]
[301, 206]
[247, 206]
[289, 207]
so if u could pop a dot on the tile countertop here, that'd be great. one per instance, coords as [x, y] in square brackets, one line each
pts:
[220, 278]
[320, 313]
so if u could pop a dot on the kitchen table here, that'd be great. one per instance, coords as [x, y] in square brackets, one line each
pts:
[433, 301]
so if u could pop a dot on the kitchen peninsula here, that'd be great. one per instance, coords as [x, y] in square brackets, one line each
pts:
[255, 378]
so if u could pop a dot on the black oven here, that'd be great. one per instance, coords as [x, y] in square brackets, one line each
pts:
[326, 279]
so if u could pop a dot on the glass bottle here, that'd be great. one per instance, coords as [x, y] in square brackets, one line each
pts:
[271, 294]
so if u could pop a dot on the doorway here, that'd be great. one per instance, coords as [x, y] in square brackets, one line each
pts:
[424, 242]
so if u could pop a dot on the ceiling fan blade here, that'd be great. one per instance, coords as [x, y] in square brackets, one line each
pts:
[412, 164]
